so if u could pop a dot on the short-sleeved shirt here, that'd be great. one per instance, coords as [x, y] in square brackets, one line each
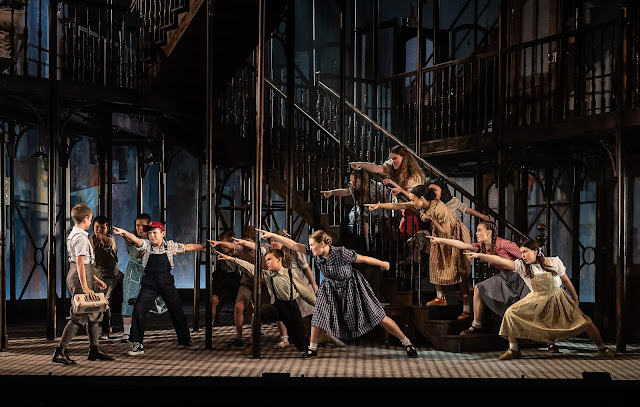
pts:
[169, 247]
[554, 262]
[78, 244]
[338, 265]
[503, 248]
[454, 205]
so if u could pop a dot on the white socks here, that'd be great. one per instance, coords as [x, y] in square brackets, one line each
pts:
[466, 308]
[313, 346]
[513, 345]
[476, 324]
[440, 294]
[127, 329]
[405, 341]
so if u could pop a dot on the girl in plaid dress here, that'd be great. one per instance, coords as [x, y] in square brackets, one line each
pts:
[444, 262]
[346, 306]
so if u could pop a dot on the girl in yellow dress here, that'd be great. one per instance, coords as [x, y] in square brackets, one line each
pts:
[547, 314]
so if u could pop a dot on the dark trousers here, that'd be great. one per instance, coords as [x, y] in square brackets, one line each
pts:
[157, 281]
[289, 313]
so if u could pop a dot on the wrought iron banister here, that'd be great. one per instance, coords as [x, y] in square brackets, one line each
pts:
[501, 220]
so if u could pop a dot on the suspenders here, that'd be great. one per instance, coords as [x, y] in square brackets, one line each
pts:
[291, 284]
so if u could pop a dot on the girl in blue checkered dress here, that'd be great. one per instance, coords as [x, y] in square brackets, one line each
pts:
[346, 306]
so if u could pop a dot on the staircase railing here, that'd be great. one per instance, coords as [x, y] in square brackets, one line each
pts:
[97, 42]
[362, 121]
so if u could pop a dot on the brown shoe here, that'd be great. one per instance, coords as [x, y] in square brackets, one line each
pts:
[471, 330]
[464, 315]
[437, 302]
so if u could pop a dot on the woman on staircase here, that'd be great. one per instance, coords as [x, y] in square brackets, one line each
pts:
[547, 313]
[346, 306]
[444, 262]
[402, 173]
[500, 291]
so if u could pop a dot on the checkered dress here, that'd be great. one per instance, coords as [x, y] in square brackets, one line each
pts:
[346, 306]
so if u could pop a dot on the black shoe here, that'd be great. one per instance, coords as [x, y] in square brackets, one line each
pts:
[187, 344]
[309, 354]
[236, 343]
[62, 356]
[411, 351]
[95, 353]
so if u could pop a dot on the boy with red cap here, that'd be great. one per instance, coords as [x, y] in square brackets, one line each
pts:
[157, 261]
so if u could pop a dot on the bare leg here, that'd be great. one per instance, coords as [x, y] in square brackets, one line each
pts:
[214, 307]
[238, 315]
[478, 305]
[594, 334]
[393, 328]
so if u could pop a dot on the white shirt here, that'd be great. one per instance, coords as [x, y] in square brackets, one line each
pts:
[554, 262]
[78, 245]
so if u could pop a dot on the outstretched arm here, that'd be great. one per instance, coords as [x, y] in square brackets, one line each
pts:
[371, 167]
[335, 192]
[195, 247]
[393, 206]
[477, 214]
[286, 242]
[493, 259]
[128, 236]
[451, 242]
[373, 262]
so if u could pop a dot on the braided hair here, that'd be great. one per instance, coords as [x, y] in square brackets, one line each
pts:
[532, 244]
[491, 227]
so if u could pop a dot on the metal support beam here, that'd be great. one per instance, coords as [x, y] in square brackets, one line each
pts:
[621, 256]
[342, 109]
[53, 170]
[291, 75]
[210, 186]
[258, 177]
[162, 181]
[418, 78]
[4, 338]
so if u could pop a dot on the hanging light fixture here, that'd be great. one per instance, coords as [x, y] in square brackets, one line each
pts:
[40, 153]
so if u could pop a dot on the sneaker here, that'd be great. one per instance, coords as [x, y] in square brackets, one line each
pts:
[464, 315]
[411, 351]
[236, 343]
[606, 353]
[511, 354]
[437, 301]
[137, 349]
[124, 339]
[309, 354]
[282, 344]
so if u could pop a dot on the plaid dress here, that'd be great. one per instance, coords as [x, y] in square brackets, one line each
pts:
[446, 263]
[346, 306]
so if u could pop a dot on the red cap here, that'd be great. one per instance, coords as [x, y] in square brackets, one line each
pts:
[154, 225]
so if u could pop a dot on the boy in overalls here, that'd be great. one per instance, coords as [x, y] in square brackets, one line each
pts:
[157, 261]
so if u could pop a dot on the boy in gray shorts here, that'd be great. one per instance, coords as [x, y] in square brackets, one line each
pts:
[81, 280]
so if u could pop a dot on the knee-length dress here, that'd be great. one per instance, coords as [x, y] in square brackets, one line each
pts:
[446, 263]
[547, 313]
[299, 264]
[346, 306]
[131, 284]
[505, 288]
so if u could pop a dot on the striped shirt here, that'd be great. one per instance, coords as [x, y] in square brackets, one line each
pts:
[169, 247]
